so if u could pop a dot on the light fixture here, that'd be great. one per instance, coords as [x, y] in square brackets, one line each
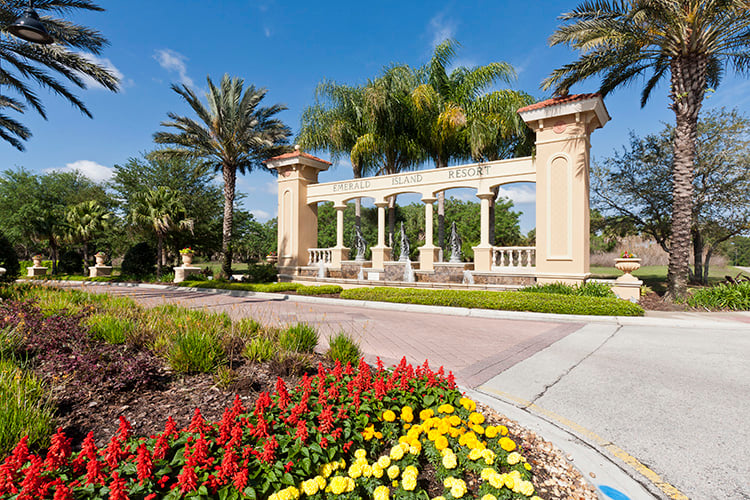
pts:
[30, 28]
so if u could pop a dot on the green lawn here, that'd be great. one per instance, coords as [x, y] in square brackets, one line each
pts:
[655, 277]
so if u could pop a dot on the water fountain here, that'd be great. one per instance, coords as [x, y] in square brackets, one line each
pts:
[360, 244]
[468, 278]
[321, 268]
[361, 274]
[404, 257]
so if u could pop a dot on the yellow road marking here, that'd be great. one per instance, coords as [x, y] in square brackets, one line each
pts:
[652, 476]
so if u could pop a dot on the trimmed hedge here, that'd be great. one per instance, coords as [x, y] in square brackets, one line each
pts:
[506, 301]
[319, 290]
[247, 287]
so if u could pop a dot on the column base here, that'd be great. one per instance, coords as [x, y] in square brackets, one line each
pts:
[482, 258]
[183, 272]
[338, 255]
[36, 271]
[96, 271]
[428, 256]
[379, 256]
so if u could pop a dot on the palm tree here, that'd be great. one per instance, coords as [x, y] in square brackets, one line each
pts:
[25, 64]
[334, 123]
[233, 135]
[84, 221]
[443, 102]
[692, 41]
[162, 210]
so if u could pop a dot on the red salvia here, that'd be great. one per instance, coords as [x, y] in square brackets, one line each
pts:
[59, 451]
[117, 489]
[144, 465]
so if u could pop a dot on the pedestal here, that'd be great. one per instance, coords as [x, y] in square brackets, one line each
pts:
[628, 287]
[97, 271]
[36, 271]
[183, 272]
[428, 256]
[379, 256]
[482, 257]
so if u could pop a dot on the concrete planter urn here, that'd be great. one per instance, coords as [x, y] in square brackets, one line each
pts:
[272, 258]
[187, 258]
[100, 258]
[37, 259]
[628, 265]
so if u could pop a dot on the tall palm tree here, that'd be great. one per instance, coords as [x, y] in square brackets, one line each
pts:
[25, 65]
[443, 101]
[234, 134]
[334, 123]
[161, 210]
[84, 221]
[692, 41]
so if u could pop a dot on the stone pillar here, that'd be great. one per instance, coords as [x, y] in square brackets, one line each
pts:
[483, 252]
[429, 253]
[297, 220]
[563, 126]
[380, 252]
[340, 252]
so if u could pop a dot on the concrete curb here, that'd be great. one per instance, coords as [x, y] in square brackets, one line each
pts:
[586, 457]
[685, 320]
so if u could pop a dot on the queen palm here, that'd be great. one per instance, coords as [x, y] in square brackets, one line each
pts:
[443, 101]
[161, 210]
[25, 65]
[234, 134]
[84, 221]
[691, 42]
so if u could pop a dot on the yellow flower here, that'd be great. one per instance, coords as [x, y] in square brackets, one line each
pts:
[366, 470]
[377, 471]
[415, 448]
[393, 471]
[507, 444]
[454, 420]
[476, 418]
[409, 471]
[446, 408]
[490, 432]
[355, 470]
[475, 454]
[397, 453]
[468, 404]
[514, 458]
[449, 461]
[509, 481]
[489, 497]
[458, 489]
[384, 462]
[389, 416]
[503, 430]
[497, 480]
[433, 434]
[527, 466]
[489, 456]
[274, 496]
[310, 487]
[360, 453]
[526, 488]
[406, 414]
[441, 442]
[486, 473]
[409, 483]
[321, 482]
[369, 432]
[381, 493]
[426, 414]
[478, 429]
[439, 498]
[338, 485]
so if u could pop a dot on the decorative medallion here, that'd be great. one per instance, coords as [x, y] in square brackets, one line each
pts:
[559, 127]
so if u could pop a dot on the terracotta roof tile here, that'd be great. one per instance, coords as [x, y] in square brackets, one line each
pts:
[296, 153]
[559, 100]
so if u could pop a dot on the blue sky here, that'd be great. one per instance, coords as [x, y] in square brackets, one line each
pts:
[288, 47]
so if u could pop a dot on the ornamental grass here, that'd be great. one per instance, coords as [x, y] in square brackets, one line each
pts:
[344, 433]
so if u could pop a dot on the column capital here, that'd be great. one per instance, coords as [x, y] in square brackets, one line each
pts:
[340, 207]
[381, 204]
[427, 200]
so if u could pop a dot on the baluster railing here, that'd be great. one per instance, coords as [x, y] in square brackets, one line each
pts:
[507, 258]
[318, 255]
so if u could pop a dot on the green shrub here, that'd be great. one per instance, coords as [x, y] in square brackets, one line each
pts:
[723, 296]
[248, 287]
[8, 260]
[25, 408]
[11, 339]
[260, 349]
[110, 328]
[508, 301]
[261, 273]
[288, 363]
[70, 262]
[344, 348]
[319, 290]
[225, 377]
[588, 289]
[194, 351]
[139, 260]
[299, 338]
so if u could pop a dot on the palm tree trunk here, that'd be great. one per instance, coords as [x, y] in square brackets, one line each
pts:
[230, 177]
[697, 256]
[493, 207]
[391, 219]
[159, 253]
[357, 204]
[688, 87]
[440, 163]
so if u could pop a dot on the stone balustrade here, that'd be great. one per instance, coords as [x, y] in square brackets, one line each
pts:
[318, 255]
[513, 258]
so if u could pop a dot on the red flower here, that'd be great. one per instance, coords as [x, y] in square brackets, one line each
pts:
[88, 452]
[326, 420]
[94, 474]
[114, 452]
[62, 492]
[269, 450]
[199, 456]
[324, 443]
[59, 451]
[240, 479]
[144, 465]
[197, 424]
[284, 398]
[125, 429]
[32, 485]
[288, 466]
[117, 489]
[228, 465]
[301, 431]
[188, 479]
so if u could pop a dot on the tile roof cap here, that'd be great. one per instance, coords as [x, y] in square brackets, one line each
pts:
[296, 154]
[559, 100]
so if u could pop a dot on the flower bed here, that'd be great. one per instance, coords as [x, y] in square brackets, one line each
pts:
[343, 433]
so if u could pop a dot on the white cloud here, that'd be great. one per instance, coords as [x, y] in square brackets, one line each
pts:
[90, 169]
[259, 214]
[272, 188]
[441, 29]
[109, 66]
[267, 32]
[518, 194]
[174, 62]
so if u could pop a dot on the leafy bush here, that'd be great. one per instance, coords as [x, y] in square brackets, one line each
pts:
[109, 328]
[260, 349]
[70, 262]
[299, 338]
[588, 289]
[261, 273]
[507, 301]
[248, 287]
[319, 290]
[25, 408]
[139, 260]
[8, 260]
[723, 296]
[342, 347]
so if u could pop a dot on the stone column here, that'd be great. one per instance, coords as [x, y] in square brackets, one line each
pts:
[563, 126]
[340, 252]
[380, 252]
[429, 253]
[297, 220]
[483, 252]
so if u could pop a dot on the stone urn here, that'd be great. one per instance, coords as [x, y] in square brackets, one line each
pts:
[187, 258]
[272, 258]
[628, 265]
[37, 259]
[100, 258]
